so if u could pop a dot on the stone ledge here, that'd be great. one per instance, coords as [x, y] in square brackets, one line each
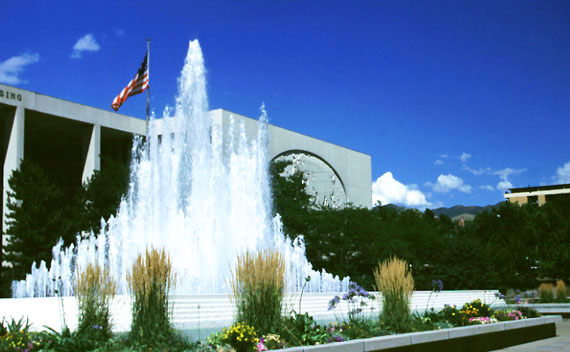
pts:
[486, 337]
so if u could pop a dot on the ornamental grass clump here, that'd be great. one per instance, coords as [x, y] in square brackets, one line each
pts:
[395, 281]
[560, 291]
[94, 290]
[150, 282]
[546, 292]
[258, 286]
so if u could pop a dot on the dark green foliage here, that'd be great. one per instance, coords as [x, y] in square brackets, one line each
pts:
[302, 330]
[15, 336]
[40, 213]
[43, 210]
[344, 242]
[529, 312]
[290, 200]
[102, 194]
[507, 246]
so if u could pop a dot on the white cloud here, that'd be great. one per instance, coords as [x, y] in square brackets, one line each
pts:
[464, 157]
[85, 43]
[504, 175]
[477, 172]
[504, 185]
[447, 183]
[563, 173]
[12, 67]
[487, 187]
[388, 190]
[443, 156]
[438, 162]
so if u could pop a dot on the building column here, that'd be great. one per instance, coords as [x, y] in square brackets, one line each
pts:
[14, 156]
[93, 154]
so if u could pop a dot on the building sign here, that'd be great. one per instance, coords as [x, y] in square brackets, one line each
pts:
[6, 94]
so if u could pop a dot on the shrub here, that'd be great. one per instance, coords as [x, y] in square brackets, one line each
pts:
[302, 330]
[502, 315]
[529, 312]
[396, 283]
[94, 289]
[150, 282]
[476, 309]
[454, 316]
[15, 336]
[258, 287]
[545, 292]
[240, 336]
[560, 291]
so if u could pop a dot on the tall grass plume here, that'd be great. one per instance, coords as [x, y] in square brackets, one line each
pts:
[561, 290]
[395, 281]
[546, 292]
[151, 281]
[94, 290]
[258, 287]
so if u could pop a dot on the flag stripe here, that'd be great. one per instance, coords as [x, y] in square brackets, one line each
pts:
[136, 86]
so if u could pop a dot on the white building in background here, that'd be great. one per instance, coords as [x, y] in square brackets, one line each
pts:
[67, 139]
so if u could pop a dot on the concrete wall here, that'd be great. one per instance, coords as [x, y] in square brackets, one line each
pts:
[352, 168]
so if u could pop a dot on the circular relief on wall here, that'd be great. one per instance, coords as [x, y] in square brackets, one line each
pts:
[321, 181]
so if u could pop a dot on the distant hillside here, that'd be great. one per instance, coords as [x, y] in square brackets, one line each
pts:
[459, 211]
[455, 213]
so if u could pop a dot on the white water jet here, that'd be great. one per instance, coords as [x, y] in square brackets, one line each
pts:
[201, 194]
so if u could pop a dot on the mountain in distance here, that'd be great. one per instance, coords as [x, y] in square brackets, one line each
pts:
[455, 213]
[460, 211]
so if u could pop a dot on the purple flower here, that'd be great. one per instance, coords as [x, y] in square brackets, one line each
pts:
[499, 295]
[517, 299]
[333, 302]
[437, 285]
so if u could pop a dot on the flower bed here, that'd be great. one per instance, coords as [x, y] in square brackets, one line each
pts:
[477, 337]
[261, 322]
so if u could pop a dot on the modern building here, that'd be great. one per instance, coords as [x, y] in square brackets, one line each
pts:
[69, 140]
[538, 195]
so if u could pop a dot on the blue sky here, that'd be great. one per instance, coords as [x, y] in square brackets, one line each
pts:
[455, 101]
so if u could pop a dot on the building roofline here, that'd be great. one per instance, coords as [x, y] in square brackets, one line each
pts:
[538, 188]
[286, 129]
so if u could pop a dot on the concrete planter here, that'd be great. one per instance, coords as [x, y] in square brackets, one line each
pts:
[468, 338]
[562, 309]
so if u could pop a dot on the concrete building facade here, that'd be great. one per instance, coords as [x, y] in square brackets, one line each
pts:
[538, 195]
[69, 140]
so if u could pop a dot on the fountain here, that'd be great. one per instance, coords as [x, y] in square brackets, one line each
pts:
[200, 192]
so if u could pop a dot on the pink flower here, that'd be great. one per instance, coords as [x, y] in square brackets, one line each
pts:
[261, 346]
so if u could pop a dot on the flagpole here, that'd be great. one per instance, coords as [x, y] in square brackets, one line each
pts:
[148, 89]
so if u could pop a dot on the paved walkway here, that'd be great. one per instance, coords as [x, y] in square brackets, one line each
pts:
[559, 343]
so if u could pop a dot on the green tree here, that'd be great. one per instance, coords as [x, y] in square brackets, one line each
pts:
[290, 199]
[39, 214]
[554, 242]
[101, 195]
[41, 211]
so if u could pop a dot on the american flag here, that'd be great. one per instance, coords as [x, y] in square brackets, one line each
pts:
[137, 85]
